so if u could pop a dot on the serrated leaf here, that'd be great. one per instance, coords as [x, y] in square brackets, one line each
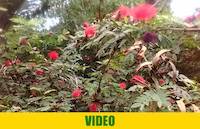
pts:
[158, 96]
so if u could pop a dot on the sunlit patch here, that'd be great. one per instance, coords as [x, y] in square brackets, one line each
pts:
[184, 8]
[50, 22]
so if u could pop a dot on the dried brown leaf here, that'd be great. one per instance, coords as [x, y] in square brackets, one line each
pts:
[142, 52]
[195, 108]
[174, 70]
[158, 56]
[143, 65]
[181, 105]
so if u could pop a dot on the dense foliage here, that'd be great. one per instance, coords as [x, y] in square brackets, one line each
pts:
[73, 12]
[123, 62]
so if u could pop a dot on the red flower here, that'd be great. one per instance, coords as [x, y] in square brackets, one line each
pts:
[86, 24]
[76, 93]
[161, 82]
[93, 107]
[122, 12]
[53, 55]
[8, 63]
[90, 31]
[122, 85]
[138, 79]
[143, 12]
[39, 72]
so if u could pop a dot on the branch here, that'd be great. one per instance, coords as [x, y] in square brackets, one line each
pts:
[179, 29]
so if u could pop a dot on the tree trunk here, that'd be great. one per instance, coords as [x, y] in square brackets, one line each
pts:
[11, 6]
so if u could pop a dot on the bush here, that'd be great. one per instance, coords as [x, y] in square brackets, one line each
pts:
[74, 12]
[122, 63]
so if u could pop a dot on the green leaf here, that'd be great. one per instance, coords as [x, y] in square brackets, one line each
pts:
[159, 96]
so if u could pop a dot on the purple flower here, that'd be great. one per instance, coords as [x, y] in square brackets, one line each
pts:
[190, 19]
[150, 37]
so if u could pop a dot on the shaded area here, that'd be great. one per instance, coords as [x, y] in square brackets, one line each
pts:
[25, 8]
[12, 6]
[189, 63]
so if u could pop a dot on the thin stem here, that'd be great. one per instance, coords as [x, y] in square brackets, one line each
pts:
[179, 29]
[104, 70]
[106, 66]
[99, 11]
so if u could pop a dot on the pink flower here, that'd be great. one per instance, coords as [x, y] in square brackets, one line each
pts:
[90, 31]
[138, 79]
[39, 72]
[53, 55]
[198, 15]
[143, 12]
[190, 19]
[86, 24]
[93, 107]
[122, 12]
[8, 63]
[122, 85]
[76, 93]
[161, 82]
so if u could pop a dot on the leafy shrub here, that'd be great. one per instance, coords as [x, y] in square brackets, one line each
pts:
[122, 63]
[74, 12]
